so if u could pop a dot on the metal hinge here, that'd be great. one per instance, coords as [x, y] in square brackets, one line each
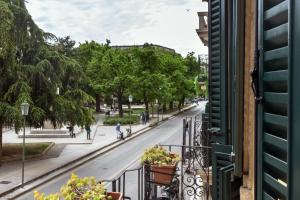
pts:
[255, 77]
[232, 157]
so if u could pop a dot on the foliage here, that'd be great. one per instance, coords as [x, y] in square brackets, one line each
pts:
[32, 67]
[159, 156]
[147, 73]
[148, 76]
[136, 111]
[78, 189]
[125, 120]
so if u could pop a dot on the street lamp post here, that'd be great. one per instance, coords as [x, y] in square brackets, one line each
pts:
[24, 110]
[156, 101]
[130, 100]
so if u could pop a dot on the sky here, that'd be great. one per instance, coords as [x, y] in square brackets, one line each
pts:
[170, 23]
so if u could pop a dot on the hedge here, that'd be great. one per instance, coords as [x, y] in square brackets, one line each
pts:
[122, 120]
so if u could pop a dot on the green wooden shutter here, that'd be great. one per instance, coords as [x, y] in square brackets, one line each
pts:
[217, 70]
[273, 117]
[225, 186]
[294, 99]
[236, 79]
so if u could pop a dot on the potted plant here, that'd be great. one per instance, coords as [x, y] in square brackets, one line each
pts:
[162, 164]
[81, 189]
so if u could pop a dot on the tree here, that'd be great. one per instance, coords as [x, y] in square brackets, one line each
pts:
[31, 70]
[111, 72]
[148, 74]
[13, 87]
[84, 54]
[193, 67]
[65, 46]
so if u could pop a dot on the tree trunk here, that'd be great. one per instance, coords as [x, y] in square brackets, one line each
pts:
[182, 101]
[146, 105]
[120, 105]
[171, 105]
[98, 103]
[1, 151]
[152, 109]
[164, 108]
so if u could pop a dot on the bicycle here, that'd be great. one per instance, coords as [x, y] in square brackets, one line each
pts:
[128, 132]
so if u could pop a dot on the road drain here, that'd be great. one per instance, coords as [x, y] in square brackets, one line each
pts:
[5, 182]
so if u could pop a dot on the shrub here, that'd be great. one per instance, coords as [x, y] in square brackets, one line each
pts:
[159, 156]
[122, 120]
[137, 111]
[78, 188]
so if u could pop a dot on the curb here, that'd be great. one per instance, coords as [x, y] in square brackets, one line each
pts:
[76, 162]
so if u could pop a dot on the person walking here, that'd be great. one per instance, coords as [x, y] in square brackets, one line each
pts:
[88, 131]
[118, 129]
[71, 131]
[143, 118]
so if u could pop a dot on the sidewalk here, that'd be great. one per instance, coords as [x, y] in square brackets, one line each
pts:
[65, 151]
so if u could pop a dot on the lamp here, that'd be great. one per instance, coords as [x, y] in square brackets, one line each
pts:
[24, 111]
[130, 100]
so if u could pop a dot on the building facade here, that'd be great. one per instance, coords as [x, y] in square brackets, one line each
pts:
[202, 31]
[254, 114]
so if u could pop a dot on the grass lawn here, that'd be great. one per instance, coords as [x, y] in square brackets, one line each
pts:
[31, 149]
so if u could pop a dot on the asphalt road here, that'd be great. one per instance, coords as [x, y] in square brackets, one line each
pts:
[126, 156]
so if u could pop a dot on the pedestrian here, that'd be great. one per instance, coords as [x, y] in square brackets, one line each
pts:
[71, 131]
[118, 129]
[88, 131]
[143, 118]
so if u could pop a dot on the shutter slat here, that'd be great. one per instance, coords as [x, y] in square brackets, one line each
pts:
[215, 116]
[276, 54]
[215, 46]
[215, 72]
[277, 14]
[215, 91]
[215, 103]
[272, 76]
[215, 40]
[276, 119]
[215, 3]
[275, 33]
[268, 197]
[276, 37]
[275, 184]
[216, 109]
[215, 18]
[272, 97]
[215, 9]
[215, 78]
[275, 162]
[276, 141]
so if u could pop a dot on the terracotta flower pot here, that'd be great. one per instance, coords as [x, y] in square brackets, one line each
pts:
[115, 195]
[163, 174]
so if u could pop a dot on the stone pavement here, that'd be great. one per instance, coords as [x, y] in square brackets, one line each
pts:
[65, 151]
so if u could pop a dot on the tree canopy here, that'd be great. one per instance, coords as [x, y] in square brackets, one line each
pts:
[33, 65]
